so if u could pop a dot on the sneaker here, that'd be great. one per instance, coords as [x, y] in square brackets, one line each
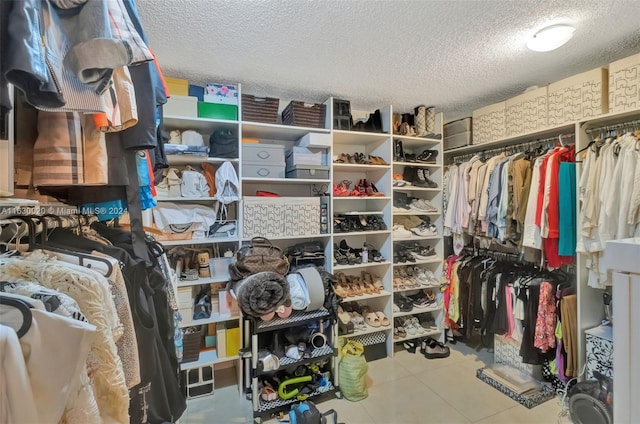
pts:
[433, 349]
[425, 230]
[421, 205]
[428, 323]
[427, 156]
[420, 252]
[397, 209]
[400, 232]
[402, 302]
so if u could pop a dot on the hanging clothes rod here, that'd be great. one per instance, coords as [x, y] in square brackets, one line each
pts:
[50, 221]
[515, 148]
[622, 126]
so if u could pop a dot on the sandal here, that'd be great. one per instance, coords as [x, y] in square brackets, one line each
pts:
[372, 319]
[345, 325]
[384, 321]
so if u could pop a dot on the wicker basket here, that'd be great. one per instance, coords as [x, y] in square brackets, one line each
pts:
[191, 345]
[260, 109]
[303, 114]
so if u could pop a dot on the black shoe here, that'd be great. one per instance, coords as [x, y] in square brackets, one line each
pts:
[398, 151]
[427, 156]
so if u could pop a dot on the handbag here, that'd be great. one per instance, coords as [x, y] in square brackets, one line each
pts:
[260, 256]
[223, 144]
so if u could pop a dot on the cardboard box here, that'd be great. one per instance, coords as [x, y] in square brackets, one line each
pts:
[186, 106]
[177, 86]
[489, 123]
[317, 140]
[197, 91]
[526, 113]
[221, 93]
[578, 97]
[624, 84]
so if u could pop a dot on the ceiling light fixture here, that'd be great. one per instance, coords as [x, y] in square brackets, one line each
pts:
[550, 38]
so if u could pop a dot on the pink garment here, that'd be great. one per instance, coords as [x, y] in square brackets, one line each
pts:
[545, 337]
[508, 292]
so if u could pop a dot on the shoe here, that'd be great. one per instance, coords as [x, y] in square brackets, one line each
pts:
[421, 301]
[428, 323]
[422, 205]
[398, 151]
[427, 156]
[402, 302]
[422, 179]
[400, 232]
[398, 181]
[422, 253]
[425, 230]
[433, 349]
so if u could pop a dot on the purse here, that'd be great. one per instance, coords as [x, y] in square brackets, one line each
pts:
[260, 256]
[223, 144]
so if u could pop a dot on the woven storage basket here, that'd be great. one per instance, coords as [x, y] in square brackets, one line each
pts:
[303, 114]
[260, 109]
[191, 345]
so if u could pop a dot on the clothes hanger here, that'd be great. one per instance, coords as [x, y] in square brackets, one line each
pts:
[24, 310]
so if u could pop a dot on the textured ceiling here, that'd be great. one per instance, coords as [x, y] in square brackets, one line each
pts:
[456, 55]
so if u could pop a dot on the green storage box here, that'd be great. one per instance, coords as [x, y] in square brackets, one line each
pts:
[217, 111]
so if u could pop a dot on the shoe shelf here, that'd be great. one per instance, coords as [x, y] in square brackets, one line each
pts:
[412, 141]
[359, 167]
[177, 160]
[296, 318]
[369, 330]
[416, 188]
[201, 281]
[359, 266]
[416, 311]
[215, 317]
[316, 355]
[277, 131]
[417, 164]
[285, 181]
[436, 259]
[383, 293]
[407, 289]
[416, 213]
[336, 198]
[267, 409]
[207, 357]
[361, 233]
[415, 238]
[358, 137]
[427, 333]
[303, 236]
[210, 240]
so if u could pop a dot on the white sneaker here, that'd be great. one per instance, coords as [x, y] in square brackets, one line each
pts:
[426, 205]
[425, 230]
[400, 232]
[399, 210]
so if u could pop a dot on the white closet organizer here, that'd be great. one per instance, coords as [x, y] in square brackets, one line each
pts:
[205, 126]
[590, 305]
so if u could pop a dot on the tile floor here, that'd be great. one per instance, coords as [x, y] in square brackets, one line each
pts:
[404, 389]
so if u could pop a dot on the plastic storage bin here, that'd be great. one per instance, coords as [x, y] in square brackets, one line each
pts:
[217, 111]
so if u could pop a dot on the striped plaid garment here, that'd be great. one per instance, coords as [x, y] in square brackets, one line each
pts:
[69, 151]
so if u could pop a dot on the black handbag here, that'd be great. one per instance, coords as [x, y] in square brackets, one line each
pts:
[223, 144]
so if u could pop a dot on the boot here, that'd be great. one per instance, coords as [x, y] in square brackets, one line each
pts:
[421, 124]
[430, 120]
[396, 121]
[398, 151]
[409, 174]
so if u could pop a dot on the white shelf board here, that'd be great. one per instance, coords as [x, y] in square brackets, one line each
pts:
[359, 167]
[361, 233]
[185, 199]
[414, 188]
[383, 293]
[428, 333]
[413, 142]
[210, 240]
[413, 213]
[417, 238]
[208, 357]
[362, 198]
[406, 289]
[359, 266]
[418, 164]
[541, 134]
[206, 125]
[284, 181]
[193, 159]
[416, 311]
[215, 317]
[369, 330]
[291, 237]
[358, 138]
[609, 118]
[435, 260]
[277, 132]
[200, 281]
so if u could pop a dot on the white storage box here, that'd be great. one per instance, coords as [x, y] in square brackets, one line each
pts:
[457, 140]
[265, 154]
[304, 156]
[319, 172]
[489, 123]
[187, 315]
[624, 84]
[526, 113]
[181, 106]
[251, 170]
[322, 141]
[220, 268]
[577, 97]
[280, 216]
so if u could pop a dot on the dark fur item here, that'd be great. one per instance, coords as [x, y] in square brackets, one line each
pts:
[261, 293]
